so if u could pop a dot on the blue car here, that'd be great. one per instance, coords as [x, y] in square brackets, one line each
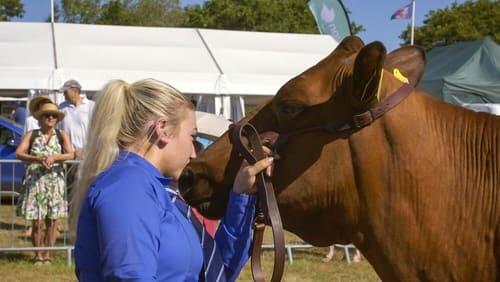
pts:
[11, 173]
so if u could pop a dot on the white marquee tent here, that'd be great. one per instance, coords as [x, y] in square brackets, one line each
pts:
[220, 66]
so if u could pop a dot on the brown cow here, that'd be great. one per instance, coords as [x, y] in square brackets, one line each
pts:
[417, 191]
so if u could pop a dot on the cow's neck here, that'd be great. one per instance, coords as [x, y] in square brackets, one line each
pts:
[473, 142]
[411, 179]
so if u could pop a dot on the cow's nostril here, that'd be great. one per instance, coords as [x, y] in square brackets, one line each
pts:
[186, 180]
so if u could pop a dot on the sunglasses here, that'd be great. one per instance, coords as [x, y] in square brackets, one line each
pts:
[49, 115]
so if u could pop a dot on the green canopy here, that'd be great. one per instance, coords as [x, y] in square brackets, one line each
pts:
[465, 72]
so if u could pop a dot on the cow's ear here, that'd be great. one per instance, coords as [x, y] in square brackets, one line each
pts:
[366, 75]
[410, 61]
[350, 44]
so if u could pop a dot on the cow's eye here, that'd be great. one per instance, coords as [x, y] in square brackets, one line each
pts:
[291, 109]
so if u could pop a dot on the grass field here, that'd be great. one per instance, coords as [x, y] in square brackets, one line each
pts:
[307, 265]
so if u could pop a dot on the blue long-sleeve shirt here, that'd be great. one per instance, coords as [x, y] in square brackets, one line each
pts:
[130, 230]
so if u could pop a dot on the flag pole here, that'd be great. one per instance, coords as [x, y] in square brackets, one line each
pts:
[51, 11]
[412, 21]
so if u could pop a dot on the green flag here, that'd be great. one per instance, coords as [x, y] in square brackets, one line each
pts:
[331, 18]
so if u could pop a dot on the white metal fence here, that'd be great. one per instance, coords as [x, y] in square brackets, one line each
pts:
[14, 235]
[14, 230]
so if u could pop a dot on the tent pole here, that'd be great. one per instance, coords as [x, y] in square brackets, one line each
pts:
[55, 72]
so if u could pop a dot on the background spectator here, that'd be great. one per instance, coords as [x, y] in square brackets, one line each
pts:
[19, 113]
[78, 110]
[331, 252]
[44, 196]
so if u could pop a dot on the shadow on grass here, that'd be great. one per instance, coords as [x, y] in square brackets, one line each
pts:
[15, 257]
[10, 225]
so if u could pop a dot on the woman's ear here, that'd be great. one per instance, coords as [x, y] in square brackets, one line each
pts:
[162, 131]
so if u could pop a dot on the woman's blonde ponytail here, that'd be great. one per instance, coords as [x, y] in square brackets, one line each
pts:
[102, 144]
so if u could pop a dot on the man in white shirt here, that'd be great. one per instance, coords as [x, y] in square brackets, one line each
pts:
[77, 110]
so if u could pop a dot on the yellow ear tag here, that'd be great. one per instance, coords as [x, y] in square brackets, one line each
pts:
[397, 74]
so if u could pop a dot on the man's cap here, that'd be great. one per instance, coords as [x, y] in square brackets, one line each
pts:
[71, 84]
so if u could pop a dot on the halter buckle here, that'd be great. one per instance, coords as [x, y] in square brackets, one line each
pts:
[362, 120]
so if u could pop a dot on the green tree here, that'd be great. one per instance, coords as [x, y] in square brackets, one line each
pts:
[255, 15]
[157, 13]
[469, 21]
[80, 11]
[117, 12]
[10, 9]
[355, 28]
[122, 12]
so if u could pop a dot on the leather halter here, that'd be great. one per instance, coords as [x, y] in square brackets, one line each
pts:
[353, 123]
[267, 208]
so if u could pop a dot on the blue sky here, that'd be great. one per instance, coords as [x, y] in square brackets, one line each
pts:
[374, 15]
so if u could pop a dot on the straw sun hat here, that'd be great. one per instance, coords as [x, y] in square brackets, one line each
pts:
[37, 101]
[48, 108]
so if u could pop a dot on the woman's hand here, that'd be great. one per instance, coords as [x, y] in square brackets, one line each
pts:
[78, 154]
[244, 183]
[48, 162]
[39, 159]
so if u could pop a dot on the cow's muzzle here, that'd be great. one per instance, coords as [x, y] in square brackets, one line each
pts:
[186, 181]
[197, 191]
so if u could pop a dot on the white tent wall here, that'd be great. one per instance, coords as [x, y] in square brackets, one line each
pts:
[259, 63]
[95, 54]
[26, 57]
[215, 64]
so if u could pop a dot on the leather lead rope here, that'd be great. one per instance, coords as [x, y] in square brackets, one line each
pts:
[267, 207]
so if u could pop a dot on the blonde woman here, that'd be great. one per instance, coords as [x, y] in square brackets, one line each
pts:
[44, 198]
[129, 227]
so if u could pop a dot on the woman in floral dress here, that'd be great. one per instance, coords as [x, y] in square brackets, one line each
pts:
[44, 198]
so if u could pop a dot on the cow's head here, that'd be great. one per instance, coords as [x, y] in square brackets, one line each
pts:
[315, 170]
